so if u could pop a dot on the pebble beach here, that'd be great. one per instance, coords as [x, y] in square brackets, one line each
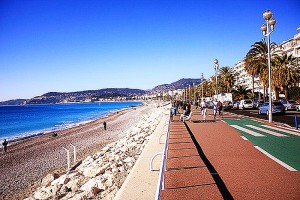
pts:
[36, 168]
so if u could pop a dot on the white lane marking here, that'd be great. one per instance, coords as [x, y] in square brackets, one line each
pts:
[266, 131]
[289, 128]
[244, 138]
[247, 131]
[275, 159]
[280, 129]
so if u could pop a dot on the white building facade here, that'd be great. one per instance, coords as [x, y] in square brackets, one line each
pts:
[291, 46]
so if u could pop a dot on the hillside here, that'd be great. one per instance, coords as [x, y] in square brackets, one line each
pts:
[96, 95]
[87, 95]
[180, 84]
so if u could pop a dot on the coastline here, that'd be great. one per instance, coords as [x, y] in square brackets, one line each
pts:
[36, 133]
[28, 160]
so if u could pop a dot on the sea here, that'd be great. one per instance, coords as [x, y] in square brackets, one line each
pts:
[19, 122]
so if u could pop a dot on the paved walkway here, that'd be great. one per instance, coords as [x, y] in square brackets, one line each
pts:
[212, 161]
[141, 183]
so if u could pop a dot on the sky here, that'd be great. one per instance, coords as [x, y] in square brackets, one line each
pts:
[75, 45]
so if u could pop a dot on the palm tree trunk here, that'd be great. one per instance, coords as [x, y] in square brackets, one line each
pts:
[264, 93]
[286, 92]
[253, 85]
[276, 89]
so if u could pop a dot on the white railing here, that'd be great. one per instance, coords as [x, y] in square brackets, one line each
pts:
[160, 184]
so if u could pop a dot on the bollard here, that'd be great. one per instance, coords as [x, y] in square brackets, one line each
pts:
[296, 122]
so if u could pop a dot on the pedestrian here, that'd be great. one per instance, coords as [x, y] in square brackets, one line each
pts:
[104, 125]
[4, 143]
[215, 109]
[171, 113]
[203, 107]
[220, 108]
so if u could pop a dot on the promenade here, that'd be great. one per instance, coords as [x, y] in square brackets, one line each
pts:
[212, 160]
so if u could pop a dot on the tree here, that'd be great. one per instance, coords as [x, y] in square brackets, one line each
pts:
[286, 72]
[241, 92]
[227, 78]
[256, 61]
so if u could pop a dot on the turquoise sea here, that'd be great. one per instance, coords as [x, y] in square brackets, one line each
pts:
[17, 122]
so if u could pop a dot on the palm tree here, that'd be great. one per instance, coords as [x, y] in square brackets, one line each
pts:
[208, 88]
[227, 78]
[241, 92]
[256, 61]
[286, 72]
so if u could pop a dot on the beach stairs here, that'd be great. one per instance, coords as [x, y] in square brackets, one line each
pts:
[186, 174]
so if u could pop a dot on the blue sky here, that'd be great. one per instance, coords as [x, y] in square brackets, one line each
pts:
[74, 45]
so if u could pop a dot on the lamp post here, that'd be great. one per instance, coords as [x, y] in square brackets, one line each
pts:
[202, 78]
[267, 29]
[194, 94]
[189, 93]
[216, 69]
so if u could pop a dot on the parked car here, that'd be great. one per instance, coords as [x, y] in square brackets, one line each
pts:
[235, 104]
[277, 107]
[246, 103]
[257, 103]
[227, 105]
[289, 105]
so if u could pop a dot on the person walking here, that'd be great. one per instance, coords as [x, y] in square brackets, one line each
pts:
[104, 125]
[220, 108]
[215, 109]
[203, 107]
[4, 143]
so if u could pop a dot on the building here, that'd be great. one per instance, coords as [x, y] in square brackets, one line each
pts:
[291, 46]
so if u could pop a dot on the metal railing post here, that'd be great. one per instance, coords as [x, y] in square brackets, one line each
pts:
[74, 153]
[68, 157]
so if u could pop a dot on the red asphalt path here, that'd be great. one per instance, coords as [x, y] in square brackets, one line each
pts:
[244, 171]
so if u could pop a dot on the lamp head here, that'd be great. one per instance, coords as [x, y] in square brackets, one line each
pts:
[267, 15]
[272, 23]
[263, 28]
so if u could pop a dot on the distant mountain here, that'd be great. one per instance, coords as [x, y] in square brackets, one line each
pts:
[85, 96]
[14, 102]
[96, 95]
[182, 83]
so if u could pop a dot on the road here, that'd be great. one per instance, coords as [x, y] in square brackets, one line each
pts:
[288, 118]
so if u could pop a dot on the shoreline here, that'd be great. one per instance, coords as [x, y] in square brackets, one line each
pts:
[29, 160]
[32, 134]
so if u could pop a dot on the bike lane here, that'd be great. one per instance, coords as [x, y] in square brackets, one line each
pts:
[246, 172]
[281, 144]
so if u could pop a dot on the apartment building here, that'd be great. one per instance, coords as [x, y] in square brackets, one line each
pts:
[291, 46]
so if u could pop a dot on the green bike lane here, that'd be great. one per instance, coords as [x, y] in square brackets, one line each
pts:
[280, 143]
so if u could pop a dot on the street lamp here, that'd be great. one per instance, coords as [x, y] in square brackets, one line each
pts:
[202, 78]
[267, 29]
[194, 93]
[189, 93]
[216, 69]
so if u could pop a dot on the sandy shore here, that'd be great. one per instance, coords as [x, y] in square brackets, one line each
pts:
[30, 160]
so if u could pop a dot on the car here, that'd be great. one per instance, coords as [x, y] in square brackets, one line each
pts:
[277, 107]
[289, 105]
[235, 104]
[297, 107]
[227, 105]
[246, 103]
[257, 103]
